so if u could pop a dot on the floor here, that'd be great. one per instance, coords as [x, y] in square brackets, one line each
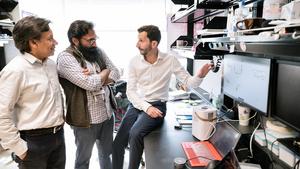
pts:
[7, 163]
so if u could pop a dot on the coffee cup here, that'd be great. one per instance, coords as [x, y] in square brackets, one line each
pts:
[244, 113]
[181, 43]
[250, 23]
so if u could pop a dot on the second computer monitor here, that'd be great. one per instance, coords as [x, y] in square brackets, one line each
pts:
[246, 80]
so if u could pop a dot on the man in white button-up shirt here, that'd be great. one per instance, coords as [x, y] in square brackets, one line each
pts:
[31, 109]
[147, 90]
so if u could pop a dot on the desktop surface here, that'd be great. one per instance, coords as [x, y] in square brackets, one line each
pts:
[164, 144]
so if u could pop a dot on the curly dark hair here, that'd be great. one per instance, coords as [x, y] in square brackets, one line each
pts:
[78, 29]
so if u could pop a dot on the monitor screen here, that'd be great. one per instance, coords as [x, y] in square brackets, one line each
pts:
[286, 106]
[246, 80]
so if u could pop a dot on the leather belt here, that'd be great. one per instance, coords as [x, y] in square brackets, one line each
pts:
[42, 131]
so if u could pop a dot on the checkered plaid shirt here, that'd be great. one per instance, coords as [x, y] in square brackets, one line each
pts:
[97, 94]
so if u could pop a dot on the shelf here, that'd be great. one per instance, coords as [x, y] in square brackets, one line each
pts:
[6, 23]
[263, 155]
[8, 5]
[182, 2]
[251, 1]
[4, 41]
[275, 46]
[202, 10]
[186, 52]
[215, 4]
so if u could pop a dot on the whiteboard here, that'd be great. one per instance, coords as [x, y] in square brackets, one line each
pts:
[246, 80]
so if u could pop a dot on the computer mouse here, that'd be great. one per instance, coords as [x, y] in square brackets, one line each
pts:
[213, 164]
[193, 96]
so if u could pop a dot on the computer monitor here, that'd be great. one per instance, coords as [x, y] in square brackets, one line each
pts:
[285, 103]
[246, 80]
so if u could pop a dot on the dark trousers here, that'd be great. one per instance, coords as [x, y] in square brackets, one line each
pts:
[85, 139]
[135, 125]
[44, 151]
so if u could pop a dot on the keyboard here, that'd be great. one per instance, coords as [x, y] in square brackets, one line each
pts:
[200, 153]
[202, 150]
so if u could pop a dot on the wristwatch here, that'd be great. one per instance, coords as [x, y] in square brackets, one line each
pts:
[15, 157]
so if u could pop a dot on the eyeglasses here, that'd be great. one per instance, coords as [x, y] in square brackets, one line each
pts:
[91, 41]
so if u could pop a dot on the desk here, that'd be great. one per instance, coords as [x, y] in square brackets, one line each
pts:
[164, 144]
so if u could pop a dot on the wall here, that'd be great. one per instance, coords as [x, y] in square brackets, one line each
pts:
[116, 22]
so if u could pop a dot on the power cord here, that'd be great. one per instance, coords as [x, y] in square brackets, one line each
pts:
[190, 167]
[251, 139]
[237, 120]
[270, 154]
[272, 151]
[226, 111]
[296, 166]
[217, 65]
[213, 132]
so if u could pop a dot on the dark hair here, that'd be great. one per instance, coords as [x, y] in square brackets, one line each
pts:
[153, 33]
[78, 29]
[29, 28]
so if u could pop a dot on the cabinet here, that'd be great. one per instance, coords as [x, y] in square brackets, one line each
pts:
[9, 12]
[198, 15]
[276, 42]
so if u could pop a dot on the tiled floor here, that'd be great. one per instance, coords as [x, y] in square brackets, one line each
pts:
[7, 163]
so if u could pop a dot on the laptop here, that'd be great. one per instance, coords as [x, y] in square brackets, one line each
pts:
[230, 161]
[200, 153]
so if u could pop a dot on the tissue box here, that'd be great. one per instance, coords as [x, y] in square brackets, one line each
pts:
[291, 10]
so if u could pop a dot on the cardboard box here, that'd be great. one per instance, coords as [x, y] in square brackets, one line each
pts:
[291, 10]
[286, 155]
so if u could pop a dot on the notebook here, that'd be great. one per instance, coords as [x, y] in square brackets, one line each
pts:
[200, 153]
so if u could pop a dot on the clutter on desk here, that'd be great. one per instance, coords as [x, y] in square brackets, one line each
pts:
[289, 151]
[178, 95]
[185, 110]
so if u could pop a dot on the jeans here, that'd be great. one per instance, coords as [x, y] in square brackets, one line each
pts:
[135, 125]
[44, 151]
[85, 138]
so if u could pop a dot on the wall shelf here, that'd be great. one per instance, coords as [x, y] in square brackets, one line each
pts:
[274, 47]
[182, 2]
[202, 10]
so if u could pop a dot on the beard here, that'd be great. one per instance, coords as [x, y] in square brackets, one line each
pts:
[145, 51]
[91, 54]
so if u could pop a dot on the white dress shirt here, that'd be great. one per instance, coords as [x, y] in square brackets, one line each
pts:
[150, 82]
[30, 98]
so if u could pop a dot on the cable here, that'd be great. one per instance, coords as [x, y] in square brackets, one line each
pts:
[265, 135]
[296, 166]
[216, 66]
[272, 152]
[295, 35]
[188, 166]
[237, 120]
[251, 139]
[227, 111]
[213, 132]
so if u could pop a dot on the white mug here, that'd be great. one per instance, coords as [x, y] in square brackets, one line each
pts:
[181, 43]
[244, 113]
